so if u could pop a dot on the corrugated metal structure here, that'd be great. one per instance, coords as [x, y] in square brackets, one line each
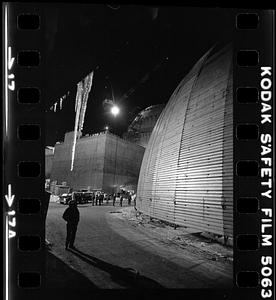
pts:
[186, 176]
[139, 131]
[103, 161]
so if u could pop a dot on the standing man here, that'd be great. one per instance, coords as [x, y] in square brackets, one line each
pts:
[121, 200]
[134, 200]
[101, 198]
[129, 198]
[93, 198]
[108, 198]
[72, 217]
[114, 199]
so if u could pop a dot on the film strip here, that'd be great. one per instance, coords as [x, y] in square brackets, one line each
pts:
[253, 192]
[23, 151]
[26, 202]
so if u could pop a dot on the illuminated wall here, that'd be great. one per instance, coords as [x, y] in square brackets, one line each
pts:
[186, 176]
[49, 156]
[102, 161]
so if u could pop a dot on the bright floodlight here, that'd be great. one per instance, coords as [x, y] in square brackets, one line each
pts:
[115, 110]
[106, 128]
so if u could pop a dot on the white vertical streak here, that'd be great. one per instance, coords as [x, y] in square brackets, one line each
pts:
[6, 131]
[87, 87]
[6, 69]
[76, 128]
[7, 258]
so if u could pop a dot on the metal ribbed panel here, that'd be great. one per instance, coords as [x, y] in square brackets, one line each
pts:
[187, 172]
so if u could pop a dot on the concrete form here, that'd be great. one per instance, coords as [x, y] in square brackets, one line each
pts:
[102, 161]
[49, 156]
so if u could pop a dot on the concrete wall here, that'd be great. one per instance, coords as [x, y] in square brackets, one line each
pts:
[61, 162]
[48, 165]
[49, 156]
[102, 161]
[89, 163]
[122, 163]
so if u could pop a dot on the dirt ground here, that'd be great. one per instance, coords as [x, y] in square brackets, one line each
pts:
[178, 237]
[116, 248]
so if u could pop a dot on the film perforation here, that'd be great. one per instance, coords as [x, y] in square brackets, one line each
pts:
[29, 243]
[247, 95]
[247, 132]
[247, 242]
[247, 168]
[28, 58]
[29, 132]
[29, 206]
[248, 205]
[29, 280]
[29, 169]
[247, 21]
[248, 58]
[28, 95]
[248, 279]
[28, 22]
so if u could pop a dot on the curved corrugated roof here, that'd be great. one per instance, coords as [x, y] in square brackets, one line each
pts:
[146, 113]
[186, 176]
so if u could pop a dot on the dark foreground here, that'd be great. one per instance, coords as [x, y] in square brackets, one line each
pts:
[111, 254]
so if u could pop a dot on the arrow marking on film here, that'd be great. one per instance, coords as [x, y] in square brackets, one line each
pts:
[9, 197]
[10, 59]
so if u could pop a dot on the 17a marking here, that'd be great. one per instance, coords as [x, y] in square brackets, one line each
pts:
[11, 213]
[11, 85]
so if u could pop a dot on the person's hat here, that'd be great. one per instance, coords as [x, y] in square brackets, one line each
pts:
[72, 202]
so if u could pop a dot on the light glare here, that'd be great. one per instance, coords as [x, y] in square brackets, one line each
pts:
[115, 110]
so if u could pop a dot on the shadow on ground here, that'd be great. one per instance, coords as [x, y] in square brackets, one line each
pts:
[63, 282]
[126, 277]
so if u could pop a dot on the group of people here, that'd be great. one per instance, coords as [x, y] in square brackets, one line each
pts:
[121, 197]
[98, 198]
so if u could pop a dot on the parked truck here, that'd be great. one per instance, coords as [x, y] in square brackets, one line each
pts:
[81, 197]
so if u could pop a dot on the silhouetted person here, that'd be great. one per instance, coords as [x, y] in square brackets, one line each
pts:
[105, 198]
[108, 198]
[93, 199]
[134, 200]
[114, 199]
[129, 199]
[72, 217]
[101, 198]
[121, 200]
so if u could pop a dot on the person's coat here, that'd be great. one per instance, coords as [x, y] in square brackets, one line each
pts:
[71, 215]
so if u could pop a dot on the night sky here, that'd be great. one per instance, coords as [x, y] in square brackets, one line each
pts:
[122, 44]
